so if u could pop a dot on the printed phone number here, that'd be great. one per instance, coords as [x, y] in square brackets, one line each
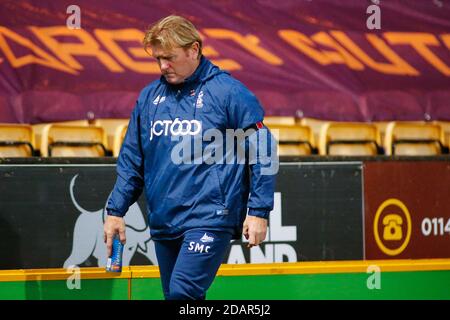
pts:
[435, 227]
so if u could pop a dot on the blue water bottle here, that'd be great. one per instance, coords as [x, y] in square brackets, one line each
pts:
[114, 263]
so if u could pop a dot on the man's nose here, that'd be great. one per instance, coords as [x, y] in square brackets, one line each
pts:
[164, 65]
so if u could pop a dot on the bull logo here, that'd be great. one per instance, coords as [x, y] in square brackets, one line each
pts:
[88, 235]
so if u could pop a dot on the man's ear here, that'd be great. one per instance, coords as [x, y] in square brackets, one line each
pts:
[195, 49]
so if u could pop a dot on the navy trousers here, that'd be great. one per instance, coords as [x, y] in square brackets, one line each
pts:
[189, 264]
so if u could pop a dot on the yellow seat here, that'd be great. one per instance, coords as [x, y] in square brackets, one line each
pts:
[293, 140]
[16, 140]
[73, 141]
[349, 139]
[279, 120]
[381, 126]
[445, 125]
[118, 139]
[413, 139]
[38, 128]
[315, 125]
[447, 138]
[110, 126]
[300, 149]
[417, 149]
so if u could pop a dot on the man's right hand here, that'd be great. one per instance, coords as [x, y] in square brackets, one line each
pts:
[112, 226]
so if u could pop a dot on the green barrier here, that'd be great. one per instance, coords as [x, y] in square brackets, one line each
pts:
[91, 289]
[65, 284]
[394, 285]
[410, 279]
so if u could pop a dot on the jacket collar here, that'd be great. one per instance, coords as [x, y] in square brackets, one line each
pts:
[199, 72]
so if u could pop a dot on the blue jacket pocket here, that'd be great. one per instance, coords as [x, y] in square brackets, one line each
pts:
[216, 190]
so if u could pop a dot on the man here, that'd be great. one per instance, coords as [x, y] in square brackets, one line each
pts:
[194, 210]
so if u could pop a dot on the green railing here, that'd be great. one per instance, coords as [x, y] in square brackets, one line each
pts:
[377, 279]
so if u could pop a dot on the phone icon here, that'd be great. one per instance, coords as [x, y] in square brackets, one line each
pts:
[392, 227]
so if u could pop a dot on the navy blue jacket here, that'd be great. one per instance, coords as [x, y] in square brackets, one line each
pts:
[181, 196]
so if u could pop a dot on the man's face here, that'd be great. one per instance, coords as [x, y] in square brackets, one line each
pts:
[176, 64]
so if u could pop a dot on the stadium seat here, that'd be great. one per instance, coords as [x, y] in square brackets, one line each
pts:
[315, 125]
[118, 139]
[38, 128]
[349, 139]
[445, 125]
[279, 120]
[413, 139]
[293, 140]
[381, 126]
[110, 126]
[16, 140]
[73, 141]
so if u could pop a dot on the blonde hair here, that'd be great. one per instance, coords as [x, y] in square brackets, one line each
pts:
[171, 32]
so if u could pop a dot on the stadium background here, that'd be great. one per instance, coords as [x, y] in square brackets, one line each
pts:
[362, 116]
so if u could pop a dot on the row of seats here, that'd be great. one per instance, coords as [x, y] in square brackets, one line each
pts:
[98, 138]
[296, 137]
[311, 136]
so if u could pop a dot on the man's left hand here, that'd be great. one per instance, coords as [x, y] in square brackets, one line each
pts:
[255, 229]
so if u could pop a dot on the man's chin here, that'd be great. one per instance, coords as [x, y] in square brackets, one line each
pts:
[173, 80]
